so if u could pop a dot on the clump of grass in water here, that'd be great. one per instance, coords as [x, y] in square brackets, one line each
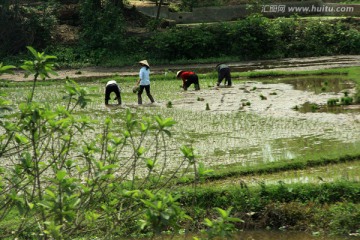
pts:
[314, 107]
[169, 104]
[332, 102]
[346, 100]
[246, 104]
[263, 97]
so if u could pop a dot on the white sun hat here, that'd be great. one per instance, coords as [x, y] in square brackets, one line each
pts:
[144, 62]
[178, 73]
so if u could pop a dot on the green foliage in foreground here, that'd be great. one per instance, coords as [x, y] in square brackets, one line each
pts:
[328, 207]
[59, 179]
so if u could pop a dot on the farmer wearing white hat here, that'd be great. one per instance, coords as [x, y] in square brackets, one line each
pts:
[112, 86]
[144, 81]
[188, 78]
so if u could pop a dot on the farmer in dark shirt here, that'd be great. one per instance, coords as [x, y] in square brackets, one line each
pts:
[188, 78]
[112, 86]
[223, 72]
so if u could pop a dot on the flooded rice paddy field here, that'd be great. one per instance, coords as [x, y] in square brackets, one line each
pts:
[251, 123]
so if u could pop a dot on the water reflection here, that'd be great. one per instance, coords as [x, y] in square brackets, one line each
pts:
[309, 107]
[320, 84]
[316, 84]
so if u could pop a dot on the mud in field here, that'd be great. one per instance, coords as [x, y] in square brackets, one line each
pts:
[275, 100]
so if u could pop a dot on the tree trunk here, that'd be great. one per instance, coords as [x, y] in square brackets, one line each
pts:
[158, 10]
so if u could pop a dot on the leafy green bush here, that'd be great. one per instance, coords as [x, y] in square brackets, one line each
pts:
[223, 226]
[23, 25]
[257, 37]
[102, 29]
[345, 218]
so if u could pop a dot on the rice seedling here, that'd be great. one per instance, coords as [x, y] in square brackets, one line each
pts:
[346, 100]
[332, 102]
[207, 106]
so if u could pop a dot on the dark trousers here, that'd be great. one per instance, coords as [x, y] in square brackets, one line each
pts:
[112, 88]
[193, 79]
[224, 73]
[147, 89]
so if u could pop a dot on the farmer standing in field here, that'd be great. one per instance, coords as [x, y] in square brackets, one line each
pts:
[188, 78]
[112, 86]
[223, 72]
[144, 81]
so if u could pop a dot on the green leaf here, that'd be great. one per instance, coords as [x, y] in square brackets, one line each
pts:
[165, 216]
[6, 69]
[44, 205]
[140, 151]
[223, 213]
[50, 193]
[31, 205]
[111, 166]
[60, 175]
[21, 139]
[208, 222]
[33, 51]
[150, 163]
[167, 132]
[143, 127]
[159, 205]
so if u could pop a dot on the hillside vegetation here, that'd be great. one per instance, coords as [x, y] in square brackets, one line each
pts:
[108, 34]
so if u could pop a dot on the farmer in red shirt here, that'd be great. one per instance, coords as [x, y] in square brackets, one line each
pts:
[188, 79]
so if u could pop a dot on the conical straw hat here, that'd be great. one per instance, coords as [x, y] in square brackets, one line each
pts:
[144, 62]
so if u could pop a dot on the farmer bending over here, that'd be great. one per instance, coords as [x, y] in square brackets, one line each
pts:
[223, 72]
[112, 86]
[188, 78]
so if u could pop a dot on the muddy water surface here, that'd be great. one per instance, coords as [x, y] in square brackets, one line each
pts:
[255, 122]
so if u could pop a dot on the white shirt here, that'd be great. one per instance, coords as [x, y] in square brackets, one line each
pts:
[144, 75]
[111, 82]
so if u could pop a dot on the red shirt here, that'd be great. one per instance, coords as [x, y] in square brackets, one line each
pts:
[185, 75]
